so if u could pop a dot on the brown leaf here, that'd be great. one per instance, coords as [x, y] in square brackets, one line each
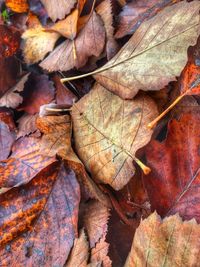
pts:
[68, 26]
[155, 54]
[19, 6]
[108, 131]
[6, 116]
[6, 140]
[136, 12]
[24, 163]
[12, 98]
[37, 43]
[95, 221]
[57, 9]
[170, 242]
[37, 92]
[80, 252]
[39, 220]
[99, 255]
[175, 168]
[26, 125]
[89, 42]
[104, 9]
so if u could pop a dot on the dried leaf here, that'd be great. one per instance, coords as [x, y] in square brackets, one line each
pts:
[37, 92]
[105, 11]
[175, 176]
[108, 131]
[6, 116]
[39, 220]
[12, 98]
[95, 221]
[57, 9]
[89, 42]
[24, 163]
[155, 54]
[170, 242]
[37, 43]
[68, 26]
[80, 252]
[99, 255]
[19, 6]
[6, 140]
[26, 125]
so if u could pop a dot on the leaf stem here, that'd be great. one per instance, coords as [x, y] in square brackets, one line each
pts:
[153, 123]
[144, 168]
[58, 109]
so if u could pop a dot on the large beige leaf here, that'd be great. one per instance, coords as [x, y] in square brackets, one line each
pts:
[168, 243]
[57, 9]
[70, 54]
[155, 54]
[108, 131]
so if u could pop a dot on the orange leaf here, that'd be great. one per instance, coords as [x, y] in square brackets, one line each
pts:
[18, 6]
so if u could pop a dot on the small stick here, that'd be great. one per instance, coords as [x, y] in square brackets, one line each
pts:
[58, 109]
[153, 123]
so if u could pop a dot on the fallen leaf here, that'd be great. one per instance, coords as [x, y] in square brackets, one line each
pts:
[104, 9]
[7, 139]
[80, 252]
[57, 9]
[108, 131]
[37, 43]
[99, 255]
[19, 6]
[66, 27]
[39, 90]
[170, 242]
[89, 42]
[37, 8]
[24, 163]
[26, 125]
[95, 221]
[155, 54]
[39, 220]
[12, 98]
[136, 12]
[175, 168]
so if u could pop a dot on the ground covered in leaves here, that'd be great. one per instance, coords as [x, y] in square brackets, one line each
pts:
[90, 174]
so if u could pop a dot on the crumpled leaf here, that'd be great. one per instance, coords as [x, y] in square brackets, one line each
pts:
[108, 131]
[104, 9]
[26, 125]
[7, 138]
[89, 42]
[37, 43]
[39, 220]
[99, 255]
[175, 176]
[80, 252]
[155, 54]
[12, 98]
[57, 9]
[170, 242]
[135, 12]
[95, 221]
[24, 163]
[19, 6]
[39, 90]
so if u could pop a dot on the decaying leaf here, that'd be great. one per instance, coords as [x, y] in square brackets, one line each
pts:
[57, 9]
[170, 242]
[26, 125]
[19, 6]
[105, 11]
[89, 42]
[12, 98]
[108, 131]
[39, 220]
[175, 176]
[24, 163]
[80, 252]
[155, 54]
[37, 43]
[95, 221]
[6, 140]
